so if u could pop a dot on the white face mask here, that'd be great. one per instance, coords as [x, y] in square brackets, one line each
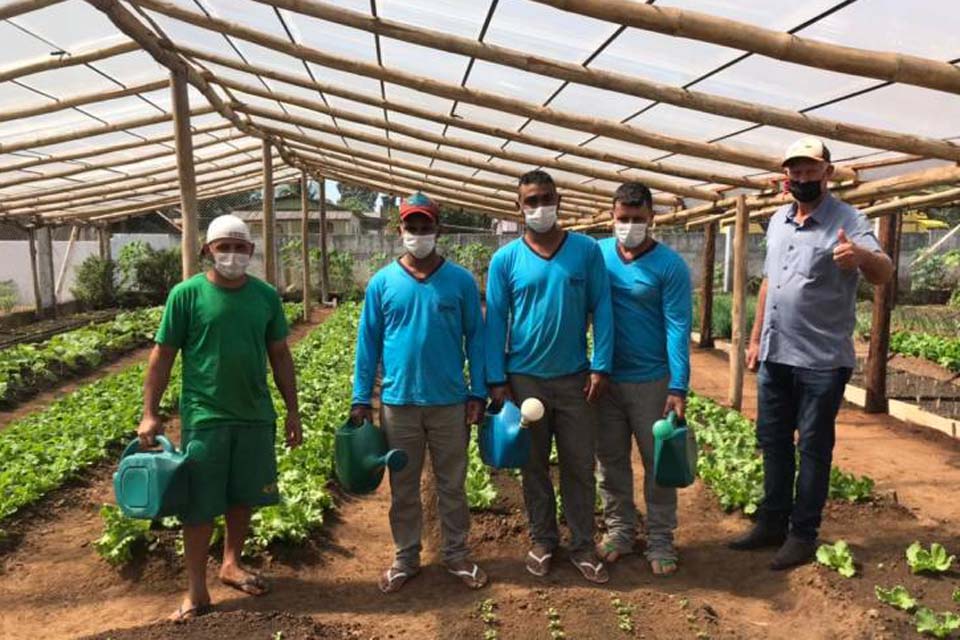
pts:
[419, 246]
[541, 219]
[231, 266]
[630, 234]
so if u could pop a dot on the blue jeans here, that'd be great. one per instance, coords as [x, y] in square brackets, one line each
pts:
[793, 399]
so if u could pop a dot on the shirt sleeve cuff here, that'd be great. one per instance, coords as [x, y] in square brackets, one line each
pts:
[676, 391]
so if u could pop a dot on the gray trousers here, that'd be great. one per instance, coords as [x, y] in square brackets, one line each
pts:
[573, 422]
[443, 430]
[627, 413]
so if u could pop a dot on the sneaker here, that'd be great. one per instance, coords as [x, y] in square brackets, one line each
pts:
[794, 552]
[761, 536]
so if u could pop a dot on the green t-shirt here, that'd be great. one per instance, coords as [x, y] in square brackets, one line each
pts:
[223, 335]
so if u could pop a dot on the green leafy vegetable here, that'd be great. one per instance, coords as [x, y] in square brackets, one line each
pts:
[838, 557]
[934, 560]
[897, 596]
[937, 625]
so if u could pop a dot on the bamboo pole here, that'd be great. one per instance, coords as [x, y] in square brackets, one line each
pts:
[599, 126]
[131, 181]
[585, 198]
[52, 203]
[899, 204]
[461, 123]
[390, 185]
[738, 337]
[269, 250]
[502, 203]
[98, 151]
[49, 62]
[78, 211]
[14, 9]
[706, 290]
[89, 132]
[221, 188]
[160, 51]
[190, 229]
[103, 241]
[883, 301]
[76, 101]
[324, 257]
[305, 242]
[440, 187]
[74, 232]
[469, 145]
[626, 84]
[32, 240]
[115, 164]
[45, 278]
[892, 67]
[875, 189]
[433, 152]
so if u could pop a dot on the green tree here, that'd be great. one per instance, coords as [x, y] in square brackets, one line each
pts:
[356, 198]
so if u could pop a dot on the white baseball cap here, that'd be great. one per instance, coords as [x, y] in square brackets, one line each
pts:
[812, 148]
[227, 226]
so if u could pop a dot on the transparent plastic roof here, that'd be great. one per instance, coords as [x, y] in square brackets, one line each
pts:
[47, 147]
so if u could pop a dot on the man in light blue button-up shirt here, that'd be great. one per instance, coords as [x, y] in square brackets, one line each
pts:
[802, 348]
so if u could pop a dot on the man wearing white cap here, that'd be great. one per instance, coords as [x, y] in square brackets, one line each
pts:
[802, 348]
[227, 324]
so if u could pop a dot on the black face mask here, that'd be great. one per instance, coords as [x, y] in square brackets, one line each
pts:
[806, 191]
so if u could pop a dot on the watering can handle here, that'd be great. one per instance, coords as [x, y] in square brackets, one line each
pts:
[134, 446]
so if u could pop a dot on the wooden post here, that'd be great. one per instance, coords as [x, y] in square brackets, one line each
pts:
[883, 300]
[738, 339]
[74, 232]
[43, 261]
[324, 256]
[305, 242]
[32, 236]
[269, 253]
[188, 180]
[706, 291]
[103, 238]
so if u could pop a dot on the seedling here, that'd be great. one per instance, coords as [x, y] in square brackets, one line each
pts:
[937, 625]
[838, 557]
[897, 597]
[624, 614]
[934, 560]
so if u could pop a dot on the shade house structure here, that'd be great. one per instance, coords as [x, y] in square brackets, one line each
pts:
[110, 109]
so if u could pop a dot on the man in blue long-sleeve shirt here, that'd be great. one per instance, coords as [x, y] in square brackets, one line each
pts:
[420, 314]
[650, 286]
[542, 291]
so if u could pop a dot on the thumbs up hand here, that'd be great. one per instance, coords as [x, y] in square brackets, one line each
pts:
[847, 254]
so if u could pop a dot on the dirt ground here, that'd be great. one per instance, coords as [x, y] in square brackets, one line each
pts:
[53, 585]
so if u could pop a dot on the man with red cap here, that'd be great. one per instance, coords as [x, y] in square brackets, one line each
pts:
[421, 321]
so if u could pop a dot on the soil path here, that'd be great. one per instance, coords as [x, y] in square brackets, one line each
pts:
[55, 586]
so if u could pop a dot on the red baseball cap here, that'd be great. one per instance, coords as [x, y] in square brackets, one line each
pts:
[419, 203]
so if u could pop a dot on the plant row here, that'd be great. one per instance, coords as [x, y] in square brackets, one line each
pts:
[730, 465]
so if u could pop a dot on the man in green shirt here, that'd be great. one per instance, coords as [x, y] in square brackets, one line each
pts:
[227, 324]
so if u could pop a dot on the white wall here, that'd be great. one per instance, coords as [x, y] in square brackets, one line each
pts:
[15, 265]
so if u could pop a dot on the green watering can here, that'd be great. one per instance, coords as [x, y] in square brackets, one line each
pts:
[675, 452]
[360, 456]
[153, 484]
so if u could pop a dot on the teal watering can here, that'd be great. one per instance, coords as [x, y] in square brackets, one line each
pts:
[675, 452]
[360, 455]
[504, 438]
[153, 484]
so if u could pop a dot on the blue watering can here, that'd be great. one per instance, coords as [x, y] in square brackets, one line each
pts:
[504, 438]
[675, 452]
[360, 456]
[153, 484]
